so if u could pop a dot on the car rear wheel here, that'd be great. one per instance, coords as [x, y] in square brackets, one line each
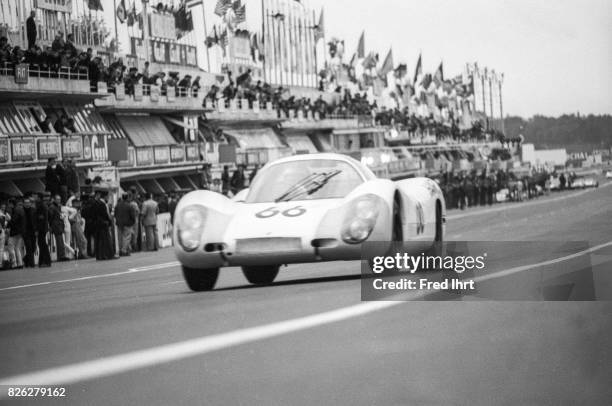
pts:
[200, 280]
[260, 275]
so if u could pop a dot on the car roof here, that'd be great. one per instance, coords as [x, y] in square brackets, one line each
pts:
[365, 172]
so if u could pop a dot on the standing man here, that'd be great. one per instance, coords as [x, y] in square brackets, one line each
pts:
[29, 235]
[51, 180]
[133, 199]
[125, 220]
[42, 228]
[31, 29]
[238, 180]
[56, 223]
[72, 178]
[172, 206]
[225, 180]
[5, 218]
[150, 210]
[17, 228]
[61, 178]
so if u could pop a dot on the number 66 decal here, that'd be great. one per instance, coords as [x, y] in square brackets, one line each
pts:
[296, 211]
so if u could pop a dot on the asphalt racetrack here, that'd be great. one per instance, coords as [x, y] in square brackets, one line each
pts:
[129, 331]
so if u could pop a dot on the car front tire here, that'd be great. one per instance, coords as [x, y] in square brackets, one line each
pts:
[260, 275]
[200, 280]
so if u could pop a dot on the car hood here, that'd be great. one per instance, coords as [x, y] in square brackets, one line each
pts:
[284, 219]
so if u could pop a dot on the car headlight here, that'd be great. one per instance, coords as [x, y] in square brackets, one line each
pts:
[360, 218]
[190, 225]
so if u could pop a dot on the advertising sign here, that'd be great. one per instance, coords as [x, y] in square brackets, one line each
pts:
[192, 152]
[4, 150]
[177, 153]
[72, 147]
[161, 155]
[23, 149]
[95, 148]
[144, 156]
[48, 148]
[22, 73]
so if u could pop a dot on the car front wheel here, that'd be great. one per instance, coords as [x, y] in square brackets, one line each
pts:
[200, 280]
[260, 275]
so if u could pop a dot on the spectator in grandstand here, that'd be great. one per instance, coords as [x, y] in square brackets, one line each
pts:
[145, 73]
[29, 233]
[212, 93]
[184, 84]
[51, 180]
[195, 86]
[5, 219]
[149, 213]
[125, 220]
[56, 224]
[58, 43]
[5, 50]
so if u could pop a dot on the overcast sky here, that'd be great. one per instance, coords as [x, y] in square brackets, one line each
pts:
[556, 55]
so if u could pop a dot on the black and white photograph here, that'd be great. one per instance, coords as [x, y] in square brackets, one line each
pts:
[305, 202]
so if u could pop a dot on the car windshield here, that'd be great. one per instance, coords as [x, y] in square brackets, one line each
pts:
[304, 180]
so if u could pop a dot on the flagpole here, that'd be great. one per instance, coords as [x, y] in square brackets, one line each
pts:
[314, 40]
[116, 29]
[501, 107]
[264, 40]
[205, 34]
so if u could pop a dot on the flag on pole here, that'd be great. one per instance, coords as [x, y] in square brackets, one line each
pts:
[319, 32]
[361, 46]
[418, 71]
[370, 61]
[121, 12]
[387, 65]
[212, 38]
[95, 5]
[132, 15]
[439, 76]
[400, 71]
[222, 7]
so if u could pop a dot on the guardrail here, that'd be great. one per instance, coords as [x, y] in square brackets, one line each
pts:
[151, 97]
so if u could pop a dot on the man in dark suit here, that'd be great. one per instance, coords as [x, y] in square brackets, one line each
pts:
[57, 227]
[42, 228]
[29, 233]
[51, 179]
[31, 29]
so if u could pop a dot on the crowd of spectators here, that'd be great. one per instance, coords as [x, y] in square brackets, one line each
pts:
[473, 188]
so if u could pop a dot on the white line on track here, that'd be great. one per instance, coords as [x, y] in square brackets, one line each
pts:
[504, 207]
[117, 364]
[106, 275]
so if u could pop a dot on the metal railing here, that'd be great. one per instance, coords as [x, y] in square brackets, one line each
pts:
[63, 72]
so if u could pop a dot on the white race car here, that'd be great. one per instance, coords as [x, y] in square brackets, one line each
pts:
[300, 209]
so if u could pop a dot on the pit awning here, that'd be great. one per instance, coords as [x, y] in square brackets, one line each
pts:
[301, 142]
[255, 138]
[146, 131]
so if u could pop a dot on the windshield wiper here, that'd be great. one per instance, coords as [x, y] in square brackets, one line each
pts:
[308, 185]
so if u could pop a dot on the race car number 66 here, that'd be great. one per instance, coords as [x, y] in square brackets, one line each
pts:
[296, 211]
